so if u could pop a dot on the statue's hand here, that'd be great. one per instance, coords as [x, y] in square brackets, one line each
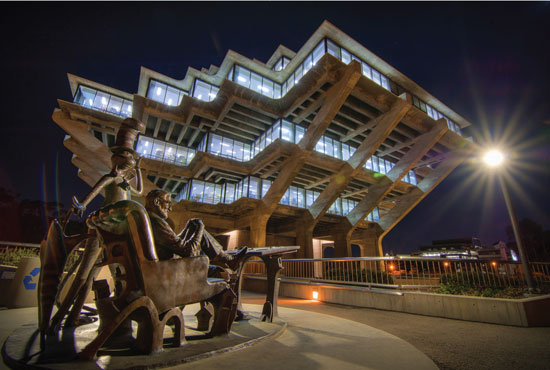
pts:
[78, 208]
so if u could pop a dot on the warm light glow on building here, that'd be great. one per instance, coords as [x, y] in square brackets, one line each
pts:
[445, 264]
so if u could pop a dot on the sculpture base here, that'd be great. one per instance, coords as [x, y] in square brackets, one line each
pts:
[22, 350]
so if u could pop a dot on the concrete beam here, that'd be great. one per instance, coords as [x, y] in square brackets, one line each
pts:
[407, 202]
[378, 191]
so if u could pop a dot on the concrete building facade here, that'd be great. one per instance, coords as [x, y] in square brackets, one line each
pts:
[329, 144]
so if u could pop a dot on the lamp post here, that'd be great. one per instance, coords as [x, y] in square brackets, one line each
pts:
[494, 158]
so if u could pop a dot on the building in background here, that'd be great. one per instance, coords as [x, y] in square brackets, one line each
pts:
[329, 144]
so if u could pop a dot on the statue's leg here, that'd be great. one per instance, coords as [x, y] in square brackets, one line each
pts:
[73, 319]
[90, 254]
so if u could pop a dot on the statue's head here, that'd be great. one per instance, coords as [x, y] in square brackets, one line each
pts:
[159, 202]
[124, 157]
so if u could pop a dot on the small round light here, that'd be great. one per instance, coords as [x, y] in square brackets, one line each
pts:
[493, 158]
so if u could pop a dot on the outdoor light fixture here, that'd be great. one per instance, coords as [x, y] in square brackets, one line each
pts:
[315, 295]
[493, 158]
[445, 264]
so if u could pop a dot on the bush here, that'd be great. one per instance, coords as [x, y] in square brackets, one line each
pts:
[481, 285]
[356, 275]
[12, 256]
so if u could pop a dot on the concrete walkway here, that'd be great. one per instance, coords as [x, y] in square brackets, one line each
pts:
[311, 341]
[451, 344]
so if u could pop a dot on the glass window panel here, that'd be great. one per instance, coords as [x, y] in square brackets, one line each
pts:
[300, 131]
[197, 189]
[301, 198]
[320, 146]
[256, 82]
[337, 149]
[190, 155]
[293, 196]
[208, 195]
[85, 96]
[157, 91]
[287, 131]
[201, 90]
[368, 165]
[242, 76]
[115, 105]
[181, 156]
[253, 189]
[170, 153]
[158, 150]
[227, 147]
[246, 152]
[230, 74]
[366, 69]
[376, 76]
[385, 82]
[229, 193]
[267, 88]
[346, 56]
[318, 52]
[286, 196]
[238, 150]
[276, 131]
[276, 91]
[217, 194]
[345, 152]
[101, 100]
[172, 96]
[266, 184]
[144, 146]
[245, 187]
[215, 146]
[412, 177]
[213, 93]
[333, 49]
[126, 108]
[329, 148]
[308, 63]
[298, 73]
[375, 166]
[389, 165]
[290, 82]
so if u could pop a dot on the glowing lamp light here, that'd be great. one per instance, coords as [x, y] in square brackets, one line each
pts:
[446, 264]
[315, 294]
[494, 264]
[391, 266]
[159, 90]
[103, 101]
[493, 158]
[90, 101]
[129, 108]
[169, 101]
[241, 79]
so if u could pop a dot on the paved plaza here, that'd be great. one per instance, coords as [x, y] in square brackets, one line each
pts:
[330, 336]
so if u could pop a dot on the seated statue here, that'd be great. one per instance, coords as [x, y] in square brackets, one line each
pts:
[193, 240]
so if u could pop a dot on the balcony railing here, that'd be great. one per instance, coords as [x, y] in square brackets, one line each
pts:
[408, 273]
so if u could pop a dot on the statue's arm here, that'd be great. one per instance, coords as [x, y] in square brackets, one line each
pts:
[166, 238]
[138, 190]
[80, 207]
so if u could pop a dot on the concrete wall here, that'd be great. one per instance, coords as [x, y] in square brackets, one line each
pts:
[515, 312]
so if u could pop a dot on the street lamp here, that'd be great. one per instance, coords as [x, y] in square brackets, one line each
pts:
[494, 158]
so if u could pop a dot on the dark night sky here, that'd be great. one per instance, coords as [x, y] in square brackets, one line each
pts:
[489, 62]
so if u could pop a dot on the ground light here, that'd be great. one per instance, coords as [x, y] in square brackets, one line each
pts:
[315, 295]
[494, 158]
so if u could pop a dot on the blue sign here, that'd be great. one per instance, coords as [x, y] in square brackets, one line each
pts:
[28, 278]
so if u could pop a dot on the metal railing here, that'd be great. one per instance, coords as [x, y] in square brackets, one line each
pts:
[409, 272]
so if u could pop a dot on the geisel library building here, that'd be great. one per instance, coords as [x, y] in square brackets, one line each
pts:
[326, 146]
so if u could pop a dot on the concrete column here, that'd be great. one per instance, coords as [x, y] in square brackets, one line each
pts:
[257, 231]
[304, 238]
